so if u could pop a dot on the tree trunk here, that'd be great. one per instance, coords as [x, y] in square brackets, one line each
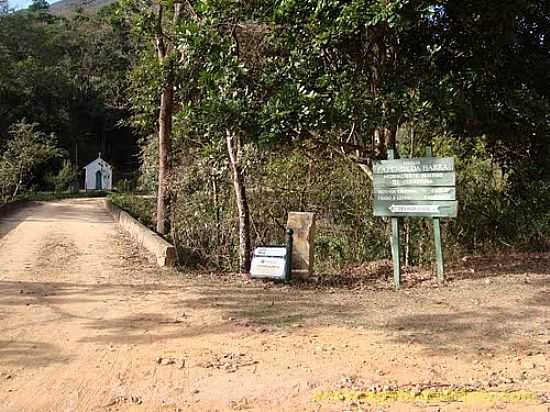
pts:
[390, 135]
[164, 121]
[384, 139]
[19, 183]
[233, 149]
[218, 220]
[165, 131]
[384, 136]
[379, 143]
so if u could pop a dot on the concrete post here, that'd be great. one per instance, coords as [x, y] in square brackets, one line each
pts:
[303, 225]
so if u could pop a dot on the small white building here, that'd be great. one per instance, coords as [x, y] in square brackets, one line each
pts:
[99, 175]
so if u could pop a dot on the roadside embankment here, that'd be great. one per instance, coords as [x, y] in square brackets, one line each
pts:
[163, 251]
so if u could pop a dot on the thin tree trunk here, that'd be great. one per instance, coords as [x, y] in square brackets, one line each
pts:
[174, 231]
[233, 149]
[218, 221]
[384, 139]
[379, 143]
[16, 191]
[164, 121]
[407, 242]
[390, 135]
[19, 183]
[165, 131]
[408, 224]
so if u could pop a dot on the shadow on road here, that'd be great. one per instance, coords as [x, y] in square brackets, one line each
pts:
[440, 320]
[30, 354]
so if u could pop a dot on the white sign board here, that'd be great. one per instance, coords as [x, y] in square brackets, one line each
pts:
[272, 251]
[269, 262]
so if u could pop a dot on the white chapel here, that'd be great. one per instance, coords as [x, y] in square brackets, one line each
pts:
[99, 175]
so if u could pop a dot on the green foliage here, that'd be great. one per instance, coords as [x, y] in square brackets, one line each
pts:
[66, 180]
[346, 67]
[336, 190]
[307, 85]
[69, 76]
[25, 150]
[38, 5]
[139, 206]
[203, 218]
[148, 169]
[125, 186]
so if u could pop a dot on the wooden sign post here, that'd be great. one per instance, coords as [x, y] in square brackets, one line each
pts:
[421, 187]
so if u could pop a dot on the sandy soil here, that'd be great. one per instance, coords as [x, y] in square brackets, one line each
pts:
[87, 324]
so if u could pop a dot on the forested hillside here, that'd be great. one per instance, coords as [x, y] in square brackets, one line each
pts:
[66, 7]
[67, 77]
[247, 110]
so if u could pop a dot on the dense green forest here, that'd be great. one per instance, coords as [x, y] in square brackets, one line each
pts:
[65, 77]
[233, 113]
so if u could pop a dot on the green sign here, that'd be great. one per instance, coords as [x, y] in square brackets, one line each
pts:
[415, 187]
[423, 187]
[415, 193]
[426, 179]
[420, 165]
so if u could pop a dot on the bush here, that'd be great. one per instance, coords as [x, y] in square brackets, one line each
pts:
[139, 206]
[26, 149]
[493, 213]
[125, 186]
[66, 179]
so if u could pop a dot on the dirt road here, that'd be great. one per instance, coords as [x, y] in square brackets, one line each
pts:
[87, 324]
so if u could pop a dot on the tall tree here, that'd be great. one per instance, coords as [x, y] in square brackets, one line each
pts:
[38, 5]
[493, 79]
[346, 75]
[153, 83]
[167, 58]
[218, 103]
[67, 74]
[26, 149]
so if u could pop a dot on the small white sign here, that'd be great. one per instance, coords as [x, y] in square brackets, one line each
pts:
[268, 267]
[271, 251]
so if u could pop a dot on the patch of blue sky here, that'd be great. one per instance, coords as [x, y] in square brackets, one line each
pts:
[21, 4]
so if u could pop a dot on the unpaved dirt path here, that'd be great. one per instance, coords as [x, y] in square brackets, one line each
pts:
[87, 324]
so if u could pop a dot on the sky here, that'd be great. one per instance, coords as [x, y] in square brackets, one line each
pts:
[21, 4]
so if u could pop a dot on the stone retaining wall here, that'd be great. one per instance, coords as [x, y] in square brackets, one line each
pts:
[164, 252]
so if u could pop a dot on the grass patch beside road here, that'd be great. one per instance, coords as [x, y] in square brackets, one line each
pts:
[45, 196]
[140, 207]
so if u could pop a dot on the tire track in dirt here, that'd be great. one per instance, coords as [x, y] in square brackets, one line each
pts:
[59, 260]
[58, 252]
